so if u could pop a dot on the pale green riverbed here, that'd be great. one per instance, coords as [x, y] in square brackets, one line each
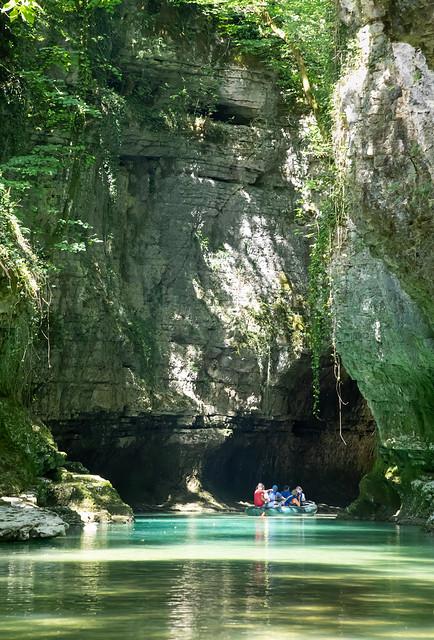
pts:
[221, 578]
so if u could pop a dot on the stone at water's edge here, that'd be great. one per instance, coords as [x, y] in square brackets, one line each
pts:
[23, 522]
[74, 499]
[84, 497]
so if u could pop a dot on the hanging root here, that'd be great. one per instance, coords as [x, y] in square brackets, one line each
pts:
[338, 379]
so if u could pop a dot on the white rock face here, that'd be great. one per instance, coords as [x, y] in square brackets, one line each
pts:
[383, 284]
[385, 141]
[23, 522]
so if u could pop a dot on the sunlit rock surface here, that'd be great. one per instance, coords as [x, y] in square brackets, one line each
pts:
[384, 270]
[89, 496]
[171, 313]
[22, 520]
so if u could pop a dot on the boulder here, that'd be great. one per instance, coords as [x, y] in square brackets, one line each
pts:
[22, 522]
[85, 497]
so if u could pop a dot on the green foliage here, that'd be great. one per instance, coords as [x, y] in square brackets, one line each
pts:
[319, 301]
[20, 171]
[24, 9]
[75, 229]
[322, 211]
[308, 28]
[51, 84]
[279, 320]
[21, 277]
[202, 239]
[29, 10]
[27, 450]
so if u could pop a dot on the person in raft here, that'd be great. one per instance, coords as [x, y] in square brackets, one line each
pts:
[295, 497]
[300, 495]
[286, 493]
[291, 496]
[260, 497]
[274, 497]
[292, 500]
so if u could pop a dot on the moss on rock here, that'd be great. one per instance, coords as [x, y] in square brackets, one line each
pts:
[27, 448]
[397, 488]
[91, 496]
[378, 498]
[28, 453]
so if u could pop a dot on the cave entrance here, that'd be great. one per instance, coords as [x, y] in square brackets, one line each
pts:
[299, 453]
[154, 460]
[162, 460]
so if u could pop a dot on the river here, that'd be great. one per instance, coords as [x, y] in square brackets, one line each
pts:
[222, 577]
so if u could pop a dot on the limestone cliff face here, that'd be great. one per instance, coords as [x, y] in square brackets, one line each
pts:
[384, 270]
[177, 351]
[188, 319]
[193, 302]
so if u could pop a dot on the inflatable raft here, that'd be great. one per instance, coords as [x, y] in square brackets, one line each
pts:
[307, 509]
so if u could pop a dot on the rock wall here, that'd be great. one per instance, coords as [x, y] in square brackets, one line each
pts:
[384, 270]
[171, 312]
[178, 341]
[177, 348]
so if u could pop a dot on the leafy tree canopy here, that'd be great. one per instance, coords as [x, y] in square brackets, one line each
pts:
[298, 38]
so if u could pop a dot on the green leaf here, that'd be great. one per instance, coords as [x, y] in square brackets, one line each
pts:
[8, 6]
[27, 14]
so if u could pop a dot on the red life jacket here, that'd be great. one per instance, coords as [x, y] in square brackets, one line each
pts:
[258, 498]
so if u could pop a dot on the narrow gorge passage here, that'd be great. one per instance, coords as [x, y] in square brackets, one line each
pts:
[189, 230]
[216, 271]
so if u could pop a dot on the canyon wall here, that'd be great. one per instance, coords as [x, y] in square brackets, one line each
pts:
[178, 342]
[177, 361]
[384, 267]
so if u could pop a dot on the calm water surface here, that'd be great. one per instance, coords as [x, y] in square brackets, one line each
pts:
[221, 578]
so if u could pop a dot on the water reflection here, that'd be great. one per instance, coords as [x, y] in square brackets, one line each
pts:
[221, 578]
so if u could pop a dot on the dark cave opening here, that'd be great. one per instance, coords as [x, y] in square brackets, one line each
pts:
[328, 470]
[152, 459]
[149, 459]
[233, 114]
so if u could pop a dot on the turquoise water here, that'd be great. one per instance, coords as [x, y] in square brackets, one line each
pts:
[221, 578]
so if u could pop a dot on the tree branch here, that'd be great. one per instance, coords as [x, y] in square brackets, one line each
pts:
[307, 87]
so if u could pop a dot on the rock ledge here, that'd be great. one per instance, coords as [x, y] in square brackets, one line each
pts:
[21, 521]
